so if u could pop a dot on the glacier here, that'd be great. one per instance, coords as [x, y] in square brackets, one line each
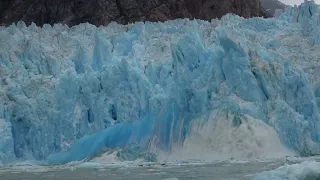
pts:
[229, 88]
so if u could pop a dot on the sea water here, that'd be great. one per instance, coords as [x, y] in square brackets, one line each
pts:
[224, 170]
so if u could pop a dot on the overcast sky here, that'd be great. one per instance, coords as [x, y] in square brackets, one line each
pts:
[292, 2]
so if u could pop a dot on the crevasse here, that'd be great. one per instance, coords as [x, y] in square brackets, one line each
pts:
[234, 87]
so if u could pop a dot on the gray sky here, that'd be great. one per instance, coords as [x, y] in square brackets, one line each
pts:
[292, 2]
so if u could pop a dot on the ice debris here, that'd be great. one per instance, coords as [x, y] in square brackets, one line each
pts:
[308, 170]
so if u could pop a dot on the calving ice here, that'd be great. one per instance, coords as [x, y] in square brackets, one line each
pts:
[182, 89]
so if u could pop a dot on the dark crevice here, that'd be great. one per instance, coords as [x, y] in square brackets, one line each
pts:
[260, 85]
[113, 112]
[310, 11]
[90, 116]
[15, 149]
[101, 87]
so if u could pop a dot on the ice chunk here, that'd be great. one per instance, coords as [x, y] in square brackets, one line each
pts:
[117, 136]
[308, 170]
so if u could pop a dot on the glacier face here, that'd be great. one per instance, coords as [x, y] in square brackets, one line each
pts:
[67, 93]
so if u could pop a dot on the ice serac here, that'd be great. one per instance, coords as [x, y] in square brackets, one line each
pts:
[234, 88]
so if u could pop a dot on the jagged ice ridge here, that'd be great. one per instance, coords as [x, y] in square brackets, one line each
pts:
[235, 87]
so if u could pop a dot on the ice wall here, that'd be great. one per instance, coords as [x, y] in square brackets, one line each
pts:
[70, 92]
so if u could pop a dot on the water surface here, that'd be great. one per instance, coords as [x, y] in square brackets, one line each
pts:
[240, 170]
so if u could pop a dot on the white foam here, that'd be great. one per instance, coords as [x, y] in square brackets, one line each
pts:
[219, 139]
[110, 158]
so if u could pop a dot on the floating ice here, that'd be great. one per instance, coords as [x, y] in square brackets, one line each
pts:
[68, 93]
[308, 170]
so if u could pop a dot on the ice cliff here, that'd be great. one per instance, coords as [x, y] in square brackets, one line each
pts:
[235, 87]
